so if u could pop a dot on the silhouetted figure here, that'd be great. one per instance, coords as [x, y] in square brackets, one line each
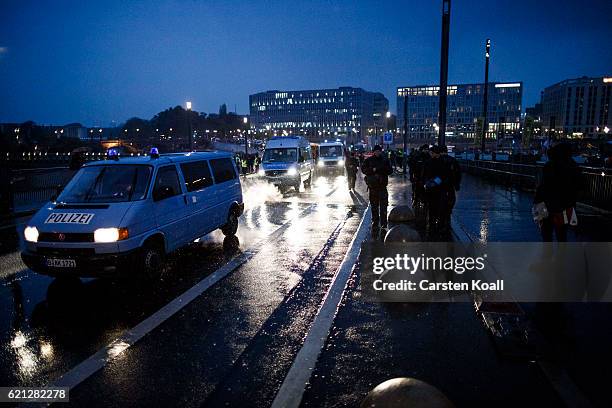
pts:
[416, 163]
[558, 189]
[377, 170]
[351, 169]
[449, 198]
[438, 182]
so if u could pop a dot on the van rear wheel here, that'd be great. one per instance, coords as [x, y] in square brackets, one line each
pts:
[232, 224]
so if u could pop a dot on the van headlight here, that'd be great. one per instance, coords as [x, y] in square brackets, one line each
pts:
[320, 163]
[292, 171]
[30, 234]
[110, 234]
[341, 162]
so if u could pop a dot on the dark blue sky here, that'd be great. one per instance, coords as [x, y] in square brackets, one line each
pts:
[94, 62]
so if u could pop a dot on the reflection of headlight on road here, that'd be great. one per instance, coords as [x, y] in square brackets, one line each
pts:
[261, 172]
[30, 234]
[340, 162]
[110, 234]
[292, 171]
[320, 163]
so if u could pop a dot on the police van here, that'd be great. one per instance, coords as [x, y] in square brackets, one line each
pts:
[287, 161]
[331, 157]
[126, 214]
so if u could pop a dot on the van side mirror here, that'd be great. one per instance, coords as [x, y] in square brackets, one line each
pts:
[162, 193]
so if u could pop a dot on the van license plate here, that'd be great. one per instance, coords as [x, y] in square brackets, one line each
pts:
[61, 263]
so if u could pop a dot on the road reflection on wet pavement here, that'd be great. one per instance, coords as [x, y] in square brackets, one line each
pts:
[49, 326]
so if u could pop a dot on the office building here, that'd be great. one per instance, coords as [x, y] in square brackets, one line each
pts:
[464, 112]
[578, 108]
[345, 112]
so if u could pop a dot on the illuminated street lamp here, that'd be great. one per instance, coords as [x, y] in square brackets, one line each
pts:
[188, 106]
[245, 120]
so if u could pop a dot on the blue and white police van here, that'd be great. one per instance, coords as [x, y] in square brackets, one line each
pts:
[331, 157]
[123, 215]
[287, 161]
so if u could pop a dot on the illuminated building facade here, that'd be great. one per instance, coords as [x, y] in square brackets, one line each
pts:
[578, 108]
[319, 114]
[464, 112]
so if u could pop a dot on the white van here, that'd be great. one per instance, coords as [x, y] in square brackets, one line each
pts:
[125, 215]
[331, 157]
[287, 161]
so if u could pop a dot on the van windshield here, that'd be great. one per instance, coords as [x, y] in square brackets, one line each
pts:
[107, 184]
[281, 155]
[330, 151]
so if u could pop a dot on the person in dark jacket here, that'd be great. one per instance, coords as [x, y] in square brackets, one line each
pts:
[377, 169]
[351, 166]
[438, 182]
[558, 189]
[449, 198]
[416, 163]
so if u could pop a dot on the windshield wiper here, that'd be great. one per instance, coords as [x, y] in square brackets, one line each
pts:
[96, 181]
[134, 179]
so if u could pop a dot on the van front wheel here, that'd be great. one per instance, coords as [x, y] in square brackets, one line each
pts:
[151, 260]
[232, 224]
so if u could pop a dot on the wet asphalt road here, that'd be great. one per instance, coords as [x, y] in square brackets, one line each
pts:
[253, 318]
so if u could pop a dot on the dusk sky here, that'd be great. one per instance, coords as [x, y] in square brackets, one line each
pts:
[97, 62]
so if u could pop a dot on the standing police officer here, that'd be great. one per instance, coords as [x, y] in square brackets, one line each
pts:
[351, 169]
[377, 170]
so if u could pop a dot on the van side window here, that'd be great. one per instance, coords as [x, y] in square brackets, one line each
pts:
[197, 175]
[223, 170]
[167, 183]
[305, 152]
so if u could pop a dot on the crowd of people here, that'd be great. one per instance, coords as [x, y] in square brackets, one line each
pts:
[435, 177]
[247, 163]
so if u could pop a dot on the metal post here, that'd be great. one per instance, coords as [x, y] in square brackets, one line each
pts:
[485, 99]
[190, 132]
[404, 156]
[446, 10]
[551, 130]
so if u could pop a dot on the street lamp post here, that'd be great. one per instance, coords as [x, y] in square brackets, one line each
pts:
[405, 147]
[245, 120]
[188, 106]
[387, 118]
[485, 99]
[446, 11]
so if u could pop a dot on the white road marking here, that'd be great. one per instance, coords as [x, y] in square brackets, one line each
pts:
[294, 385]
[95, 362]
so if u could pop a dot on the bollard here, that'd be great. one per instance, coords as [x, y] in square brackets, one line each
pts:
[401, 213]
[402, 233]
[405, 392]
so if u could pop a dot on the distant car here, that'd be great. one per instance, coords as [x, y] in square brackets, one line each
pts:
[125, 215]
[287, 161]
[331, 157]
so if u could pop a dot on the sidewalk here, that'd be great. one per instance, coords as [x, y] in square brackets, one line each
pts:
[447, 345]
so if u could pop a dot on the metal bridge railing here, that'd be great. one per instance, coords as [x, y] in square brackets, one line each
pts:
[597, 181]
